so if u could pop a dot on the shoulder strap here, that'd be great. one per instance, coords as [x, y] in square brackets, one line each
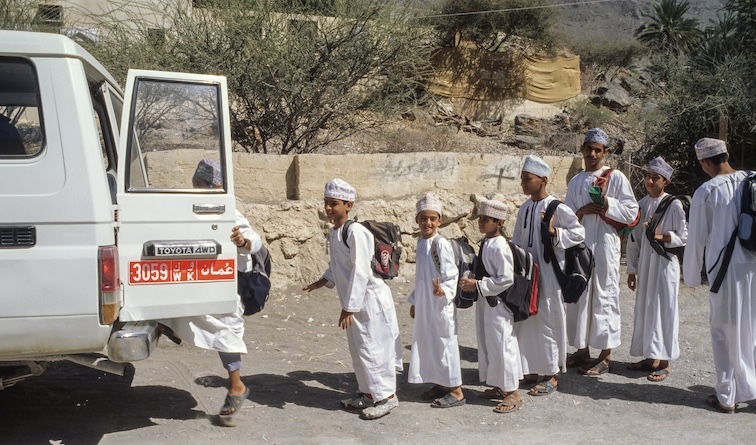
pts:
[661, 209]
[725, 262]
[434, 252]
[745, 195]
[480, 268]
[345, 232]
[603, 179]
[548, 248]
[731, 244]
[550, 210]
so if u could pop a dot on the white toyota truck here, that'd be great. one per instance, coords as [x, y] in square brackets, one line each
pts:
[101, 232]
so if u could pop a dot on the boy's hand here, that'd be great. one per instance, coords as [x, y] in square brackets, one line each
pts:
[237, 238]
[316, 285]
[590, 209]
[412, 311]
[631, 281]
[467, 284]
[552, 230]
[345, 320]
[437, 289]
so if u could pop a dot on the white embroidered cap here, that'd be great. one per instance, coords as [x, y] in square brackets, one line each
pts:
[493, 209]
[709, 147]
[596, 135]
[660, 166]
[339, 189]
[534, 164]
[430, 202]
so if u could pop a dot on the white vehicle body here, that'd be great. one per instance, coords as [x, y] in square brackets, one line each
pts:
[97, 242]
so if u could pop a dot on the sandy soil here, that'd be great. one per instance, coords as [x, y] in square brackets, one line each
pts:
[299, 368]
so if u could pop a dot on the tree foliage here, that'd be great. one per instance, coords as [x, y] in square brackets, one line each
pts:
[711, 82]
[297, 81]
[19, 15]
[668, 29]
[606, 58]
[492, 23]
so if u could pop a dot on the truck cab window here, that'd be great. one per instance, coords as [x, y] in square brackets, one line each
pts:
[21, 132]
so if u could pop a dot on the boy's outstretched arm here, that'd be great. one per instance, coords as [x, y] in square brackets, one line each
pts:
[316, 285]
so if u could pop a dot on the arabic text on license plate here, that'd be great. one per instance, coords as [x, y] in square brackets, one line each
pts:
[180, 271]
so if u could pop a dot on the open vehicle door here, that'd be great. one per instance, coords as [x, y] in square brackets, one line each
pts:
[176, 257]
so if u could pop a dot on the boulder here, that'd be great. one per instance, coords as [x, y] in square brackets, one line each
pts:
[613, 97]
[569, 142]
[633, 86]
[528, 125]
[527, 142]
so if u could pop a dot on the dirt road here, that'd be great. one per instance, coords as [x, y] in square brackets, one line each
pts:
[299, 368]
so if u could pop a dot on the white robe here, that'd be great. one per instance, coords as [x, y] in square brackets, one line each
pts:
[220, 332]
[713, 215]
[374, 335]
[435, 350]
[499, 359]
[595, 319]
[656, 323]
[543, 337]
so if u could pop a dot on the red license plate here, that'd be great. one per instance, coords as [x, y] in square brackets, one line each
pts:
[181, 271]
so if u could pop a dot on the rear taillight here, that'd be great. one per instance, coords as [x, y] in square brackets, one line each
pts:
[110, 285]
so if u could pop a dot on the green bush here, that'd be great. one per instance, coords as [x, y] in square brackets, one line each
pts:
[584, 115]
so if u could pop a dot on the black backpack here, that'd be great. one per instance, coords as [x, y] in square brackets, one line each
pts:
[661, 209]
[745, 230]
[388, 250]
[254, 285]
[465, 259]
[578, 261]
[522, 297]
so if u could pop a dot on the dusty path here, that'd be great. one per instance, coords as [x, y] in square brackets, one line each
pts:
[299, 368]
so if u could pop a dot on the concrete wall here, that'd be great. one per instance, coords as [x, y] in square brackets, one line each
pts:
[387, 176]
[263, 178]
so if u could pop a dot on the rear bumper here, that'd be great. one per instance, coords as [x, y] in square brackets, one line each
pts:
[134, 342]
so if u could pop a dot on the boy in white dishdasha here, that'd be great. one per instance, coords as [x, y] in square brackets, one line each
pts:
[543, 338]
[368, 315]
[714, 212]
[594, 321]
[435, 350]
[498, 352]
[655, 276]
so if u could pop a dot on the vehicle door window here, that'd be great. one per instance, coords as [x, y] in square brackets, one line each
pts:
[174, 125]
[21, 132]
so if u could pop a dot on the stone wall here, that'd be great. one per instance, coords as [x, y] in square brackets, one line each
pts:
[282, 196]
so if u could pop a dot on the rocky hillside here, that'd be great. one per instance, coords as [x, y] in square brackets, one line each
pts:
[611, 19]
[614, 20]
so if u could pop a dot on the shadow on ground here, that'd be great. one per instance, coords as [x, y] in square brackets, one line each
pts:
[79, 405]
